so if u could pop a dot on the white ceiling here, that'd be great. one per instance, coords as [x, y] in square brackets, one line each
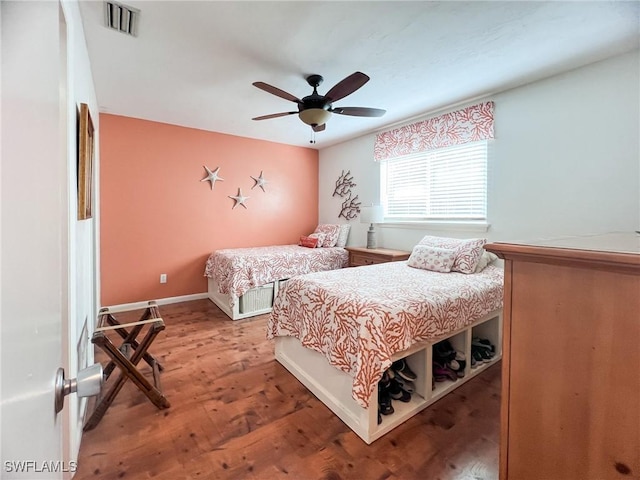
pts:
[193, 63]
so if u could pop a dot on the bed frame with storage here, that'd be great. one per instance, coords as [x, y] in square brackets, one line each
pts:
[333, 387]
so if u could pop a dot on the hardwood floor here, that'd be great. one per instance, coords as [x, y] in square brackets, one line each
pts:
[237, 413]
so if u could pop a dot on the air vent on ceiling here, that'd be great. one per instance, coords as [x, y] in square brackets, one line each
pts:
[121, 18]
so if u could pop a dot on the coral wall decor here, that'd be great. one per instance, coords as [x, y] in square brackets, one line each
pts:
[212, 177]
[350, 208]
[344, 184]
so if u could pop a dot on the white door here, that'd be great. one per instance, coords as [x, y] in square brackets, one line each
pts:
[34, 242]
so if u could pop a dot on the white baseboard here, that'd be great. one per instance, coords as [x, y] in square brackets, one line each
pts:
[160, 301]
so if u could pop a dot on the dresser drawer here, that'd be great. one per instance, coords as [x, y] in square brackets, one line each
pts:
[359, 256]
[358, 259]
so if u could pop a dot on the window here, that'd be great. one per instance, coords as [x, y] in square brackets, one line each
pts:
[446, 184]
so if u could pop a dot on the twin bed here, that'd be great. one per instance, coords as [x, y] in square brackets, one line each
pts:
[337, 330]
[244, 281]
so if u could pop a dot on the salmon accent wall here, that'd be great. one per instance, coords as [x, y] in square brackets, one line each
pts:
[156, 216]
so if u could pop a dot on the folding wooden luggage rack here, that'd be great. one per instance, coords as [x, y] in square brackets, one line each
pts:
[127, 356]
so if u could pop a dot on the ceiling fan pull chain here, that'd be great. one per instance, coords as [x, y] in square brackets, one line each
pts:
[313, 136]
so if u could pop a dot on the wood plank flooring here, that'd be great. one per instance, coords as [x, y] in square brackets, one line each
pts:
[238, 414]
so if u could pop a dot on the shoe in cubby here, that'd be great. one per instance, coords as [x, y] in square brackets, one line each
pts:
[406, 385]
[397, 392]
[480, 355]
[461, 360]
[486, 348]
[401, 368]
[442, 372]
[443, 352]
[384, 395]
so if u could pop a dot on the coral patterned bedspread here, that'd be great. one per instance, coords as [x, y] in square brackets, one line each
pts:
[238, 270]
[359, 317]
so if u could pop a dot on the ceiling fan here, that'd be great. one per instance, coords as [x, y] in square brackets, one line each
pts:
[316, 109]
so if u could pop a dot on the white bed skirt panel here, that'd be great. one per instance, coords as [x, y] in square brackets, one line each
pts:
[254, 302]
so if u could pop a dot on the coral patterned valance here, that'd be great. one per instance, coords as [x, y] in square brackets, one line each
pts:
[470, 124]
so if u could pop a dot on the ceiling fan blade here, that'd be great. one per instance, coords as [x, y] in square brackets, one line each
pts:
[276, 91]
[359, 111]
[273, 115]
[319, 128]
[347, 86]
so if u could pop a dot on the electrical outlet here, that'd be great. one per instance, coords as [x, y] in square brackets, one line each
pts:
[163, 278]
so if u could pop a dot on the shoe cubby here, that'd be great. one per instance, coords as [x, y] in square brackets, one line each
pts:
[417, 363]
[416, 359]
[459, 343]
[490, 330]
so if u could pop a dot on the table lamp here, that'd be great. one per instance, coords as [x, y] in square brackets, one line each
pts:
[372, 214]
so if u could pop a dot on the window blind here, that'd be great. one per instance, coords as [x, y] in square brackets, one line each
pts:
[443, 184]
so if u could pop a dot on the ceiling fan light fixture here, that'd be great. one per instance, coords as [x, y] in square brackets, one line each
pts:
[315, 116]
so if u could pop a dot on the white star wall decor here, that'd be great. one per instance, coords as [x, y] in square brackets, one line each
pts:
[212, 176]
[260, 182]
[239, 199]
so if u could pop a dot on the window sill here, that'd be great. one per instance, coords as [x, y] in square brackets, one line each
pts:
[440, 226]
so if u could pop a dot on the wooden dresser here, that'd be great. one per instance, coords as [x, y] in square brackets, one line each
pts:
[571, 359]
[359, 256]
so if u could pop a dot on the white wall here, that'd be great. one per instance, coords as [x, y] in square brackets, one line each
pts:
[565, 160]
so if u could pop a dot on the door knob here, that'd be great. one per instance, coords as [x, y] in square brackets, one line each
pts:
[87, 384]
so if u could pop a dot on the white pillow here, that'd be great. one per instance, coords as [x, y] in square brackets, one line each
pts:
[431, 258]
[343, 235]
[485, 259]
[468, 251]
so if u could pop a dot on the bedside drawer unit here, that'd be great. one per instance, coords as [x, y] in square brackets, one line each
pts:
[359, 256]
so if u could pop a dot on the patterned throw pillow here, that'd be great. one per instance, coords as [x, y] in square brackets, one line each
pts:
[435, 259]
[319, 236]
[343, 235]
[468, 252]
[331, 232]
[308, 242]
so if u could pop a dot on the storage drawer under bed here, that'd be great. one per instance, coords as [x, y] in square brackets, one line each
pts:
[257, 298]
